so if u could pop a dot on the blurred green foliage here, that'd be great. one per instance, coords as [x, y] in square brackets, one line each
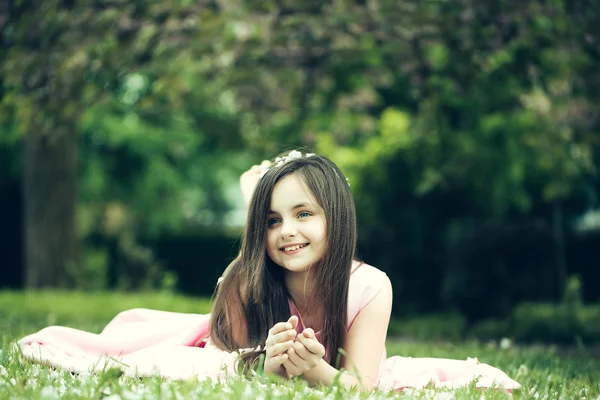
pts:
[467, 131]
[528, 323]
[569, 323]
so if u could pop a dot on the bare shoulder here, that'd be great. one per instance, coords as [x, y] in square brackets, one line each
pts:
[361, 269]
[371, 295]
[366, 280]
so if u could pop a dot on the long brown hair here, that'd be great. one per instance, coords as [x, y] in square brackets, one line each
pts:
[254, 286]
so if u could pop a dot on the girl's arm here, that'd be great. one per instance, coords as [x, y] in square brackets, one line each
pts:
[364, 346]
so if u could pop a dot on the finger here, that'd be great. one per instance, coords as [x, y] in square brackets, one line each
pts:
[276, 361]
[279, 348]
[294, 355]
[291, 364]
[290, 368]
[293, 320]
[308, 333]
[300, 351]
[279, 327]
[281, 337]
[284, 336]
[283, 358]
[311, 345]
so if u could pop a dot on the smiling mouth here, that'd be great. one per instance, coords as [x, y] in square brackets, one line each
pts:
[293, 248]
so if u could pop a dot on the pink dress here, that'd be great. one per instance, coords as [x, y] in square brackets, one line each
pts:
[398, 372]
[148, 342]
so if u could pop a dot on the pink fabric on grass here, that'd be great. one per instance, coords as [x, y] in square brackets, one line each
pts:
[142, 342]
[148, 342]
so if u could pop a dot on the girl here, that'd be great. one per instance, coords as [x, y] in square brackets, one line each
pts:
[295, 295]
[288, 291]
[297, 291]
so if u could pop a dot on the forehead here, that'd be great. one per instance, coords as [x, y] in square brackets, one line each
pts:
[291, 191]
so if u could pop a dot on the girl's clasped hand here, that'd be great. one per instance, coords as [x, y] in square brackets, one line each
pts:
[291, 354]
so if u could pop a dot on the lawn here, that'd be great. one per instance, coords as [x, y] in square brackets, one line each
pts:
[544, 372]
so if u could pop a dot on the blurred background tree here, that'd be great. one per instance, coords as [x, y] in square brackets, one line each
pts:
[468, 130]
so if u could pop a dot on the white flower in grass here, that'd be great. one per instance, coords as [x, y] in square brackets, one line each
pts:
[449, 396]
[62, 387]
[227, 390]
[523, 370]
[505, 343]
[48, 392]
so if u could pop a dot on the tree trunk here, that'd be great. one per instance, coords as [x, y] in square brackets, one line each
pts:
[50, 194]
[559, 249]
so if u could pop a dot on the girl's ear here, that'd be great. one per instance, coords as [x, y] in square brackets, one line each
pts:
[294, 321]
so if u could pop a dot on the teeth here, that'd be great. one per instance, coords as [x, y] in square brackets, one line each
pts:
[292, 248]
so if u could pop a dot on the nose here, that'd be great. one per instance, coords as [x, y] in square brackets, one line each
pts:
[288, 228]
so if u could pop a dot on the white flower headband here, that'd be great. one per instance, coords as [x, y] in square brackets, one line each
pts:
[279, 161]
[294, 154]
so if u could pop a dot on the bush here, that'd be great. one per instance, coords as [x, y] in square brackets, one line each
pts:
[484, 257]
[447, 327]
[490, 329]
[529, 323]
[544, 323]
[547, 323]
[189, 262]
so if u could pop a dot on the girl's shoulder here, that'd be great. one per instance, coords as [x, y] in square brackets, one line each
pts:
[361, 269]
[366, 282]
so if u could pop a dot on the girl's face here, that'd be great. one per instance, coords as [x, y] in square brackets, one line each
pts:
[296, 226]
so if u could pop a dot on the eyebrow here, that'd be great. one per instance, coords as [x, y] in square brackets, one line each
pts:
[301, 205]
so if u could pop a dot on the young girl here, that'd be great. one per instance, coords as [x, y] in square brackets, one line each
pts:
[295, 297]
[289, 289]
[297, 291]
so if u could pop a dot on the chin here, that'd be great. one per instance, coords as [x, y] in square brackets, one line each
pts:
[300, 267]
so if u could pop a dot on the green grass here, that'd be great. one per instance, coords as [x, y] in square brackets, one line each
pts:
[26, 312]
[544, 372]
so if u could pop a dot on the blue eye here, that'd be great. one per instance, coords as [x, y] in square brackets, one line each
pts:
[272, 221]
[304, 214]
